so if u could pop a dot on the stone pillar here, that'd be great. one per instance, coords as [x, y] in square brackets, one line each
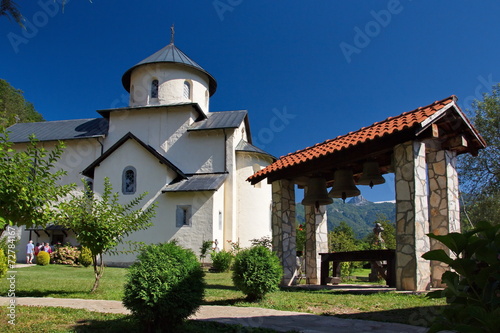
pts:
[444, 206]
[283, 220]
[316, 242]
[412, 224]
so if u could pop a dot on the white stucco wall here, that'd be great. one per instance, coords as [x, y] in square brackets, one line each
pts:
[165, 129]
[253, 201]
[171, 78]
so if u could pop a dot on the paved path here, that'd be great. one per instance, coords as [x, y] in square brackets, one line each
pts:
[246, 316]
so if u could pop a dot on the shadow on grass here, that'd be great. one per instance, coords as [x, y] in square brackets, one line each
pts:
[417, 316]
[125, 324]
[46, 293]
[220, 286]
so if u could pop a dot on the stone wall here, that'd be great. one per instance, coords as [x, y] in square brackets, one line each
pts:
[283, 224]
[412, 271]
[444, 206]
[316, 241]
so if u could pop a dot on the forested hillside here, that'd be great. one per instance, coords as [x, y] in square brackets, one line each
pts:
[358, 213]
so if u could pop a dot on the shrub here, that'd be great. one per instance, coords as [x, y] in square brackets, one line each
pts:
[256, 272]
[3, 264]
[65, 255]
[205, 246]
[165, 286]
[473, 286]
[221, 261]
[85, 258]
[43, 258]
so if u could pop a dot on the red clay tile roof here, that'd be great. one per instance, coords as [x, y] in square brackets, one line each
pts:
[380, 129]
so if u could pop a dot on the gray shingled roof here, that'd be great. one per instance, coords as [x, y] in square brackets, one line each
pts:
[170, 54]
[201, 182]
[220, 120]
[245, 146]
[59, 130]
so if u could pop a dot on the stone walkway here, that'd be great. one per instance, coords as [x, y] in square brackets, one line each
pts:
[246, 316]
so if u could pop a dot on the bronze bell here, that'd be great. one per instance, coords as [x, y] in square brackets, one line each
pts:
[371, 174]
[316, 193]
[344, 187]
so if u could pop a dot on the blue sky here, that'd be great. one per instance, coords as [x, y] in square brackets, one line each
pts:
[305, 72]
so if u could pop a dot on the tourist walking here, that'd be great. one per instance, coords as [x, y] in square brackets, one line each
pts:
[30, 249]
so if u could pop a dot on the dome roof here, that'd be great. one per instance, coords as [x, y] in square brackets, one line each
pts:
[170, 54]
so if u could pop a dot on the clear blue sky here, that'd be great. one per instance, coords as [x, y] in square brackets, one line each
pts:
[306, 72]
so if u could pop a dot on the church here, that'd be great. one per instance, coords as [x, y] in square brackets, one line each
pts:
[192, 162]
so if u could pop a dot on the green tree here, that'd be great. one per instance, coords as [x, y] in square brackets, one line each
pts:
[101, 222]
[14, 108]
[341, 239]
[480, 175]
[9, 8]
[29, 183]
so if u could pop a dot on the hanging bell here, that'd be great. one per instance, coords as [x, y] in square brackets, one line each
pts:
[316, 193]
[371, 174]
[343, 187]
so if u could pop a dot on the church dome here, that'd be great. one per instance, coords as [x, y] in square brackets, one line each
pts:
[170, 54]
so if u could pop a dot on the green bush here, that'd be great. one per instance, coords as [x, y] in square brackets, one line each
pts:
[473, 285]
[65, 255]
[256, 272]
[3, 264]
[221, 261]
[85, 258]
[164, 287]
[43, 258]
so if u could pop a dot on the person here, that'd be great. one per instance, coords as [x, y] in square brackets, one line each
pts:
[37, 249]
[47, 248]
[30, 249]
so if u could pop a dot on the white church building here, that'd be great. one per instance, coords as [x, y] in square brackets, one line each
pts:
[192, 162]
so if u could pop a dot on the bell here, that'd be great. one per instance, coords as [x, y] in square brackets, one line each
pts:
[316, 193]
[343, 187]
[371, 174]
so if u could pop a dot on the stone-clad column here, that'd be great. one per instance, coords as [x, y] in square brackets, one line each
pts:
[283, 219]
[412, 225]
[316, 241]
[444, 206]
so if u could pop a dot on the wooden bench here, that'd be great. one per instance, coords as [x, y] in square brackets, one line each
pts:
[368, 255]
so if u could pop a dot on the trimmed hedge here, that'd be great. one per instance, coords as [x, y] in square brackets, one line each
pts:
[43, 258]
[164, 287]
[256, 272]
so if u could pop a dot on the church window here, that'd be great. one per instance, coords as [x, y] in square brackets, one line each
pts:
[183, 216]
[154, 89]
[129, 180]
[187, 90]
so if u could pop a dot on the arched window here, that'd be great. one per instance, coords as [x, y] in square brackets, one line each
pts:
[154, 89]
[129, 180]
[187, 90]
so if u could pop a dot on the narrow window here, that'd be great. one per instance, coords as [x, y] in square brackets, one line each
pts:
[220, 220]
[129, 180]
[183, 216]
[187, 90]
[154, 89]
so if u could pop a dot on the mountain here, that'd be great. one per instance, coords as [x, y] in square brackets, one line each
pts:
[358, 212]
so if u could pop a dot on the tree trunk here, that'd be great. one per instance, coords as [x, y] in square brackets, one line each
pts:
[98, 272]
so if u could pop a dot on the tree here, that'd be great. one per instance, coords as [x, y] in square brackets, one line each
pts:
[480, 175]
[9, 8]
[341, 239]
[29, 184]
[101, 222]
[14, 108]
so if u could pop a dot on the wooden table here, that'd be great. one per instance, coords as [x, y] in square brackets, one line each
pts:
[368, 255]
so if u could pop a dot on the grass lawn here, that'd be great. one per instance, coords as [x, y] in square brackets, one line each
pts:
[75, 282]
